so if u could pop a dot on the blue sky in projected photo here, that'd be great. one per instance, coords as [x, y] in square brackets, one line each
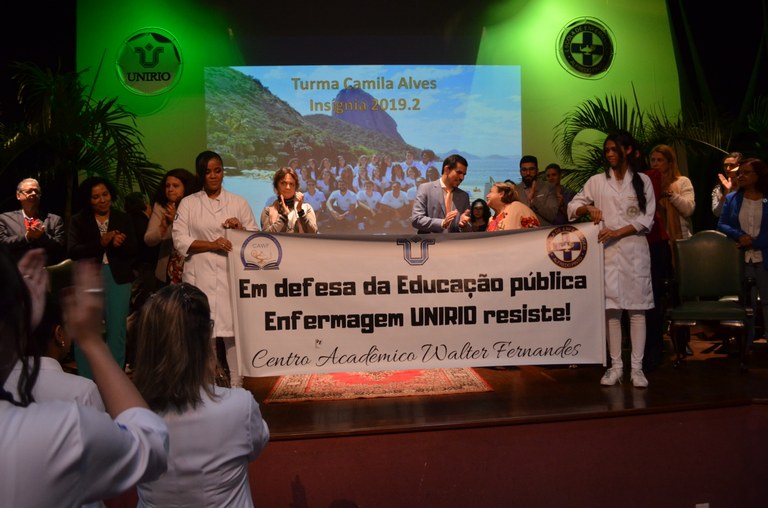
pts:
[475, 109]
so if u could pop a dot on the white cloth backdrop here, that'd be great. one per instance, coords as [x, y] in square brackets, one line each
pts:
[317, 303]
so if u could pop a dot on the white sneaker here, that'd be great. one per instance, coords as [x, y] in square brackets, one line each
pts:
[638, 378]
[611, 377]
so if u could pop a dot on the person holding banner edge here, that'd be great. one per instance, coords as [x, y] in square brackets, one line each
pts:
[199, 235]
[289, 213]
[622, 202]
[440, 206]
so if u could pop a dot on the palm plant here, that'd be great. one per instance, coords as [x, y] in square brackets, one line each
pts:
[702, 133]
[65, 134]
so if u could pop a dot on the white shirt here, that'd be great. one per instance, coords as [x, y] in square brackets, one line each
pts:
[395, 202]
[627, 260]
[63, 454]
[750, 219]
[371, 201]
[55, 384]
[343, 201]
[317, 201]
[201, 218]
[211, 447]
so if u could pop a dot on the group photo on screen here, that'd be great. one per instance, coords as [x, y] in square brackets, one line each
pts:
[362, 138]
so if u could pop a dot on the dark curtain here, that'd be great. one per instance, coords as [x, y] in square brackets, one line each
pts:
[722, 59]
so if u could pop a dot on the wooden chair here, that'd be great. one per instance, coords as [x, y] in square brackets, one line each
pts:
[710, 286]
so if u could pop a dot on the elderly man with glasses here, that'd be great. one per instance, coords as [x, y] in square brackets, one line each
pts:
[30, 227]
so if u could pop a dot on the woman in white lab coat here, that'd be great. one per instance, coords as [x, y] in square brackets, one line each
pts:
[198, 233]
[622, 202]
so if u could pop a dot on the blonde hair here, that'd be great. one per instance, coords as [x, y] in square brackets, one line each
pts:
[508, 192]
[674, 172]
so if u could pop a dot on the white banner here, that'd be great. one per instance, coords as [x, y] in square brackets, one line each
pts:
[316, 303]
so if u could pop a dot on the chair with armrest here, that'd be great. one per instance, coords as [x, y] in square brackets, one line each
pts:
[710, 286]
[59, 276]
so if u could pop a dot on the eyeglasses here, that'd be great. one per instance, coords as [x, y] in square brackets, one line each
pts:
[29, 192]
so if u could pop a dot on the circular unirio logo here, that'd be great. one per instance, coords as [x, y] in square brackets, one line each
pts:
[566, 246]
[585, 48]
[149, 62]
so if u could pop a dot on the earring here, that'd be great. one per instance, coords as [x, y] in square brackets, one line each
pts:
[61, 343]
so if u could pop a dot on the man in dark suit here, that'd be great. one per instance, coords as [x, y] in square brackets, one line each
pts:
[440, 206]
[30, 227]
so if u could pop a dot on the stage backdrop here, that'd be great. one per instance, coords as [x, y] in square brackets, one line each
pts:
[307, 303]
[508, 33]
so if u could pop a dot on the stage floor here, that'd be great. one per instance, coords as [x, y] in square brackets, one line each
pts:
[533, 394]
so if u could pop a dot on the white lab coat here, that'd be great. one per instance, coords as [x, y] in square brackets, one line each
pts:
[628, 260]
[201, 218]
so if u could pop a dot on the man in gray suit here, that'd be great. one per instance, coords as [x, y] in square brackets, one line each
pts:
[30, 227]
[440, 206]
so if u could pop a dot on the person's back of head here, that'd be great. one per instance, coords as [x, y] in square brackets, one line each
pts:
[174, 357]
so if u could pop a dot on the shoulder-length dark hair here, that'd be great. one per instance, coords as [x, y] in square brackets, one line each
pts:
[486, 209]
[280, 173]
[187, 180]
[174, 357]
[201, 165]
[86, 187]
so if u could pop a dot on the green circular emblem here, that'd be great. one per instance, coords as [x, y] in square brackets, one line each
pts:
[585, 48]
[149, 62]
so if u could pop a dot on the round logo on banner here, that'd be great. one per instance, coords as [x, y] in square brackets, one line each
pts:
[566, 246]
[149, 62]
[261, 251]
[585, 48]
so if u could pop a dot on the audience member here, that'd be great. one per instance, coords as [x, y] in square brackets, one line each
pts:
[394, 207]
[32, 228]
[744, 218]
[621, 201]
[368, 201]
[428, 158]
[61, 453]
[327, 183]
[288, 213]
[726, 181]
[564, 194]
[677, 201]
[315, 198]
[102, 232]
[175, 185]
[342, 205]
[52, 345]
[481, 215]
[661, 270]
[510, 213]
[214, 432]
[538, 196]
[145, 283]
[440, 206]
[199, 234]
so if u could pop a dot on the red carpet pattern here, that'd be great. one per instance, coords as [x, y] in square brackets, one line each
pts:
[388, 383]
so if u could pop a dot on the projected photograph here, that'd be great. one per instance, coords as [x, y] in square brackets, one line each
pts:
[362, 138]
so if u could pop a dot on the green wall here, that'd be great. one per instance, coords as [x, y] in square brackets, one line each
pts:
[515, 33]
